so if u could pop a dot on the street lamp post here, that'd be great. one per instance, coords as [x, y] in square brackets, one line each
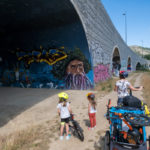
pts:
[124, 14]
[142, 48]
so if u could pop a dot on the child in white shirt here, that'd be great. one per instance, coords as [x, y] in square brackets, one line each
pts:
[64, 111]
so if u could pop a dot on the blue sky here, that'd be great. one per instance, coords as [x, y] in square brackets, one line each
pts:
[138, 19]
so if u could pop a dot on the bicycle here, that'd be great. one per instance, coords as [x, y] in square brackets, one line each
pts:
[75, 128]
[135, 120]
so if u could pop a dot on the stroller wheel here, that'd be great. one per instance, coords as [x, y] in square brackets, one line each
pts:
[107, 141]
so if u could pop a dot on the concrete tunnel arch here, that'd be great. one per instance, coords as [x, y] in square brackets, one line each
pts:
[116, 61]
[48, 24]
[138, 66]
[129, 64]
[59, 15]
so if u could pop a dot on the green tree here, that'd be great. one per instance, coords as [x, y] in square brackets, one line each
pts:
[147, 56]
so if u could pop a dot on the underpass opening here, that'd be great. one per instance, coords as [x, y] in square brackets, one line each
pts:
[129, 64]
[116, 64]
[138, 66]
[43, 46]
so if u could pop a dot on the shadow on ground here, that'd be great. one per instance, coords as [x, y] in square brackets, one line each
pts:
[14, 101]
[100, 144]
[87, 122]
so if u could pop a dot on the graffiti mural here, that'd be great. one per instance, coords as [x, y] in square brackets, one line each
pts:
[76, 77]
[99, 55]
[50, 56]
[74, 69]
[101, 73]
[52, 68]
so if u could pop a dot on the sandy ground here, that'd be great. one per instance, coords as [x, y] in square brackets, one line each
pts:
[20, 108]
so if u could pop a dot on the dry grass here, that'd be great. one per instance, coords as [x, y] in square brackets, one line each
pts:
[105, 87]
[33, 138]
[146, 92]
[134, 75]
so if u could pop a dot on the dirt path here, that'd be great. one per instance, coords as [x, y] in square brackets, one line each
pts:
[37, 106]
[93, 139]
[139, 95]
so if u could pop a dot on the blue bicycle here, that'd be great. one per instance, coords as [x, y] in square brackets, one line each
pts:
[127, 128]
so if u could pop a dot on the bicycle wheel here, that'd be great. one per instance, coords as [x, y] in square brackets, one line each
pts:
[79, 131]
[137, 119]
[80, 134]
[107, 141]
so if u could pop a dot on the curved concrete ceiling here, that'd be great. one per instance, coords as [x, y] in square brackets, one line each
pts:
[22, 15]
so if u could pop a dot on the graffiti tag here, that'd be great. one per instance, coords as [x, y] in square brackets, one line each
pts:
[50, 57]
[101, 73]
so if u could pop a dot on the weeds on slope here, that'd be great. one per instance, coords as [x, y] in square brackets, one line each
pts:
[146, 91]
[37, 137]
[107, 86]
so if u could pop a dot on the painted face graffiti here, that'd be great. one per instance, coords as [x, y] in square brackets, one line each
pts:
[75, 67]
[76, 77]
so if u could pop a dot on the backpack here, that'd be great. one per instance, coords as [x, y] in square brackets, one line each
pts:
[132, 101]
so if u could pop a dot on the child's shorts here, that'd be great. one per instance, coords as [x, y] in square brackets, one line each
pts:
[65, 120]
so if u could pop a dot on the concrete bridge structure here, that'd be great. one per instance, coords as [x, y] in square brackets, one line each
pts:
[104, 41]
[40, 40]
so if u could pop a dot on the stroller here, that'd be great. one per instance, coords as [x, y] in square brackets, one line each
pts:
[126, 129]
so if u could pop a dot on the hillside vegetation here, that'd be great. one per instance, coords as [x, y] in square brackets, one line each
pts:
[140, 50]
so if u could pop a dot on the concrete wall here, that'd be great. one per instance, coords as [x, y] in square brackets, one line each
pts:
[102, 36]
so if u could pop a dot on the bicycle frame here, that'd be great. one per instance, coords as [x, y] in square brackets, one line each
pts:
[115, 117]
[75, 128]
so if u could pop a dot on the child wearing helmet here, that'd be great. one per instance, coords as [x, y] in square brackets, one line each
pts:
[64, 112]
[122, 86]
[92, 110]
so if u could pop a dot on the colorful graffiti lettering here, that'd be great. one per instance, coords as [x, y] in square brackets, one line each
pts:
[50, 57]
[101, 73]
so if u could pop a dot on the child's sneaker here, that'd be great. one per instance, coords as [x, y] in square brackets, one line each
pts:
[61, 137]
[67, 137]
[89, 128]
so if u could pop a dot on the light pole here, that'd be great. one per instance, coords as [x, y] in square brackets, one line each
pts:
[142, 48]
[125, 16]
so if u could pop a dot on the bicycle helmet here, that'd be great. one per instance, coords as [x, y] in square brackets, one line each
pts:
[91, 96]
[124, 74]
[63, 96]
